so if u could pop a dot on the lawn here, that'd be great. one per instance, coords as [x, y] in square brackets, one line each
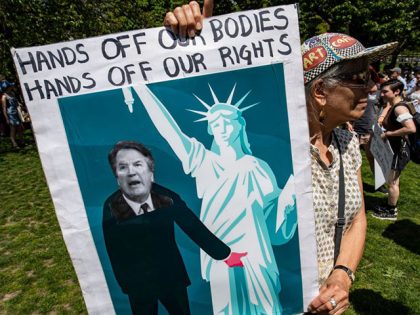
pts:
[37, 277]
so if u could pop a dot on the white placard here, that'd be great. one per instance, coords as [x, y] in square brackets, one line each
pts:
[87, 94]
[382, 153]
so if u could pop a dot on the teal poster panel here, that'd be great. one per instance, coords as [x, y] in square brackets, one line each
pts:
[95, 122]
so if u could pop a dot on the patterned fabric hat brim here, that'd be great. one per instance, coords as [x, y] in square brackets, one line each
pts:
[320, 52]
[377, 52]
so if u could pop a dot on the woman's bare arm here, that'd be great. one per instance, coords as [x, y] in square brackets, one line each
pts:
[338, 283]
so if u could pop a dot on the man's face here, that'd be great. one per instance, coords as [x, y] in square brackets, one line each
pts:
[387, 94]
[394, 75]
[133, 174]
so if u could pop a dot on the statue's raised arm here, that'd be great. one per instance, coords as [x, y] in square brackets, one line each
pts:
[164, 122]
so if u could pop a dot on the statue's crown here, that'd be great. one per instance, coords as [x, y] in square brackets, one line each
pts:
[213, 110]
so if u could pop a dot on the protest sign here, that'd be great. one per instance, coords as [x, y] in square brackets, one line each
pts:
[383, 154]
[224, 117]
[379, 176]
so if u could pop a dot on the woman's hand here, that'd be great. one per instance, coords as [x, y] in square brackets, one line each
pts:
[188, 19]
[383, 136]
[336, 288]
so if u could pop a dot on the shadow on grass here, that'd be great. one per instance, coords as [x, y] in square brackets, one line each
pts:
[26, 144]
[372, 201]
[405, 233]
[369, 302]
[368, 188]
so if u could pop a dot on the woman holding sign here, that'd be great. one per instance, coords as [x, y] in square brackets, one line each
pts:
[336, 88]
[337, 91]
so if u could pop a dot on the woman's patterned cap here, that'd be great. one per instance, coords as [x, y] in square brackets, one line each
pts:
[320, 52]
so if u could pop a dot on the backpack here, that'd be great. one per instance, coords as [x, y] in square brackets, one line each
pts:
[414, 138]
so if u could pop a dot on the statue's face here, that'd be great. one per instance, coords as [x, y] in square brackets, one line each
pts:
[225, 131]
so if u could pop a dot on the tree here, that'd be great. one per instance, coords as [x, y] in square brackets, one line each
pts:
[371, 22]
[26, 23]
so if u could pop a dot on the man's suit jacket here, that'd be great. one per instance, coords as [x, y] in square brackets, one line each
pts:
[142, 249]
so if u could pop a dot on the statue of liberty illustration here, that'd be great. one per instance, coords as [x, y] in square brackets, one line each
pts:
[241, 203]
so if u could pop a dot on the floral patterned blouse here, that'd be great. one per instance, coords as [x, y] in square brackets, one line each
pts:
[325, 194]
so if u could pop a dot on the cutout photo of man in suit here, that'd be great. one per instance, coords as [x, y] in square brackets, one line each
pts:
[138, 226]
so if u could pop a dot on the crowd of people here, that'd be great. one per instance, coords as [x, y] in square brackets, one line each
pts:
[389, 103]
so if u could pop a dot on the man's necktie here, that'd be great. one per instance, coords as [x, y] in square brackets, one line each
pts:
[145, 207]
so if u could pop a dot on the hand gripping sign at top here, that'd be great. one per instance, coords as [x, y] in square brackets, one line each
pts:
[247, 192]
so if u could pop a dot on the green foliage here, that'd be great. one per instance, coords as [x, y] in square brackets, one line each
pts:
[26, 23]
[371, 22]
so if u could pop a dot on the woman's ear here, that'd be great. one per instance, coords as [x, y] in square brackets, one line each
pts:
[318, 92]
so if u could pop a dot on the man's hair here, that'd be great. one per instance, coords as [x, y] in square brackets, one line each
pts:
[394, 84]
[130, 145]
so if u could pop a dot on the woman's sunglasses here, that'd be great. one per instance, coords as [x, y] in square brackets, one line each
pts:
[356, 79]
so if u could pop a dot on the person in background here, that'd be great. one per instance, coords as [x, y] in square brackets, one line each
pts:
[398, 123]
[413, 84]
[415, 96]
[336, 92]
[3, 123]
[363, 125]
[396, 74]
[10, 104]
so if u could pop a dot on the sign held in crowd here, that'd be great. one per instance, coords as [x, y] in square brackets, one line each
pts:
[136, 133]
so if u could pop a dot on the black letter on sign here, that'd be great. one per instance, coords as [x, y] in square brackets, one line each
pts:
[263, 20]
[110, 76]
[135, 37]
[172, 37]
[167, 70]
[216, 25]
[289, 50]
[281, 17]
[119, 47]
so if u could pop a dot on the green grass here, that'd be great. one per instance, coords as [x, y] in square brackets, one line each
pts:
[37, 277]
[388, 277]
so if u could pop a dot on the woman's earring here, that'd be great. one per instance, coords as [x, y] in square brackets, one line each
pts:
[322, 116]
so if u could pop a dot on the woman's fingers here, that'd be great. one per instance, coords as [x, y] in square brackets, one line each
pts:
[189, 16]
[208, 8]
[198, 18]
[332, 301]
[171, 21]
[182, 22]
[188, 19]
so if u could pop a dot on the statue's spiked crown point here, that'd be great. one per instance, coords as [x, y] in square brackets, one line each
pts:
[212, 109]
